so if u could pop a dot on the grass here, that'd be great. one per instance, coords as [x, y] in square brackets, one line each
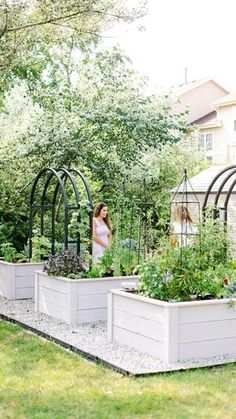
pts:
[40, 380]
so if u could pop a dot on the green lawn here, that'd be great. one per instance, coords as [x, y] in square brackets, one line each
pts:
[40, 380]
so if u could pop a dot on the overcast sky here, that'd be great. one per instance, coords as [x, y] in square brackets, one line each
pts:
[199, 35]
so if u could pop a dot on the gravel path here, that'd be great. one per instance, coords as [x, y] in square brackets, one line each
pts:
[92, 338]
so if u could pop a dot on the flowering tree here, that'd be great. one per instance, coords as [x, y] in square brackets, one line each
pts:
[94, 114]
[103, 121]
[29, 28]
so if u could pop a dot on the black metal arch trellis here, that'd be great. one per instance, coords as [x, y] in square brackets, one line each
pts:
[135, 234]
[62, 176]
[223, 177]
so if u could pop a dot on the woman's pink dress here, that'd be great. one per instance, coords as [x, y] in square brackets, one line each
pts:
[102, 231]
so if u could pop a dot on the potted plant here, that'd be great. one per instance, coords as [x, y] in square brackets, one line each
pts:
[67, 289]
[17, 271]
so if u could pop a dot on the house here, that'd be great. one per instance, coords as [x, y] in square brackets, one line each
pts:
[222, 128]
[197, 96]
[212, 109]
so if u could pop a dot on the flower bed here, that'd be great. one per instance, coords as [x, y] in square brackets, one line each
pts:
[17, 279]
[74, 300]
[173, 331]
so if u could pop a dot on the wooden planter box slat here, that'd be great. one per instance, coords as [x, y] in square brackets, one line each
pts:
[137, 323]
[74, 301]
[188, 333]
[61, 287]
[17, 279]
[49, 296]
[148, 311]
[172, 331]
[193, 316]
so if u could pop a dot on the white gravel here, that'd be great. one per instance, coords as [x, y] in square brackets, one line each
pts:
[92, 338]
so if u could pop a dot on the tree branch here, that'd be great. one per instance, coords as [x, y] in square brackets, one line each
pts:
[4, 30]
[81, 31]
[71, 16]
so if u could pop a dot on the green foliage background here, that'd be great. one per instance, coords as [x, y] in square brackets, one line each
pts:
[66, 102]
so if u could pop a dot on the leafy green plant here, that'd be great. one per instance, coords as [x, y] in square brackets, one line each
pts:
[207, 285]
[129, 260]
[153, 281]
[106, 261]
[197, 269]
[10, 254]
[96, 271]
[80, 223]
[230, 290]
[119, 260]
[41, 246]
[215, 245]
[66, 264]
[8, 251]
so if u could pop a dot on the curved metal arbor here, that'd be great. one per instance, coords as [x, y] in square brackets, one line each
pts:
[223, 180]
[61, 176]
[132, 226]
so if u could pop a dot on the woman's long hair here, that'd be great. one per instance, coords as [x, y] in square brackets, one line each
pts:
[97, 212]
[183, 214]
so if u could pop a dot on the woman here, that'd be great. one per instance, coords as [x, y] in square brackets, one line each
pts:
[101, 231]
[183, 231]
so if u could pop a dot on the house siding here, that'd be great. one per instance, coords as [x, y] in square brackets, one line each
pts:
[199, 99]
[224, 137]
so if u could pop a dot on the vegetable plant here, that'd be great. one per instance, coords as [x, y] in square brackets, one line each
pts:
[41, 246]
[66, 263]
[10, 254]
[198, 269]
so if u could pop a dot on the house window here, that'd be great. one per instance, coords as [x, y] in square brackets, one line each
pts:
[201, 142]
[209, 158]
[209, 142]
[205, 142]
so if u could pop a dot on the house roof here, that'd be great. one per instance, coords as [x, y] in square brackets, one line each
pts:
[197, 97]
[206, 118]
[214, 123]
[202, 180]
[225, 100]
[184, 88]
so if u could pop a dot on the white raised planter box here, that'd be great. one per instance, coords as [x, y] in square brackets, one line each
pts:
[17, 279]
[75, 301]
[173, 331]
